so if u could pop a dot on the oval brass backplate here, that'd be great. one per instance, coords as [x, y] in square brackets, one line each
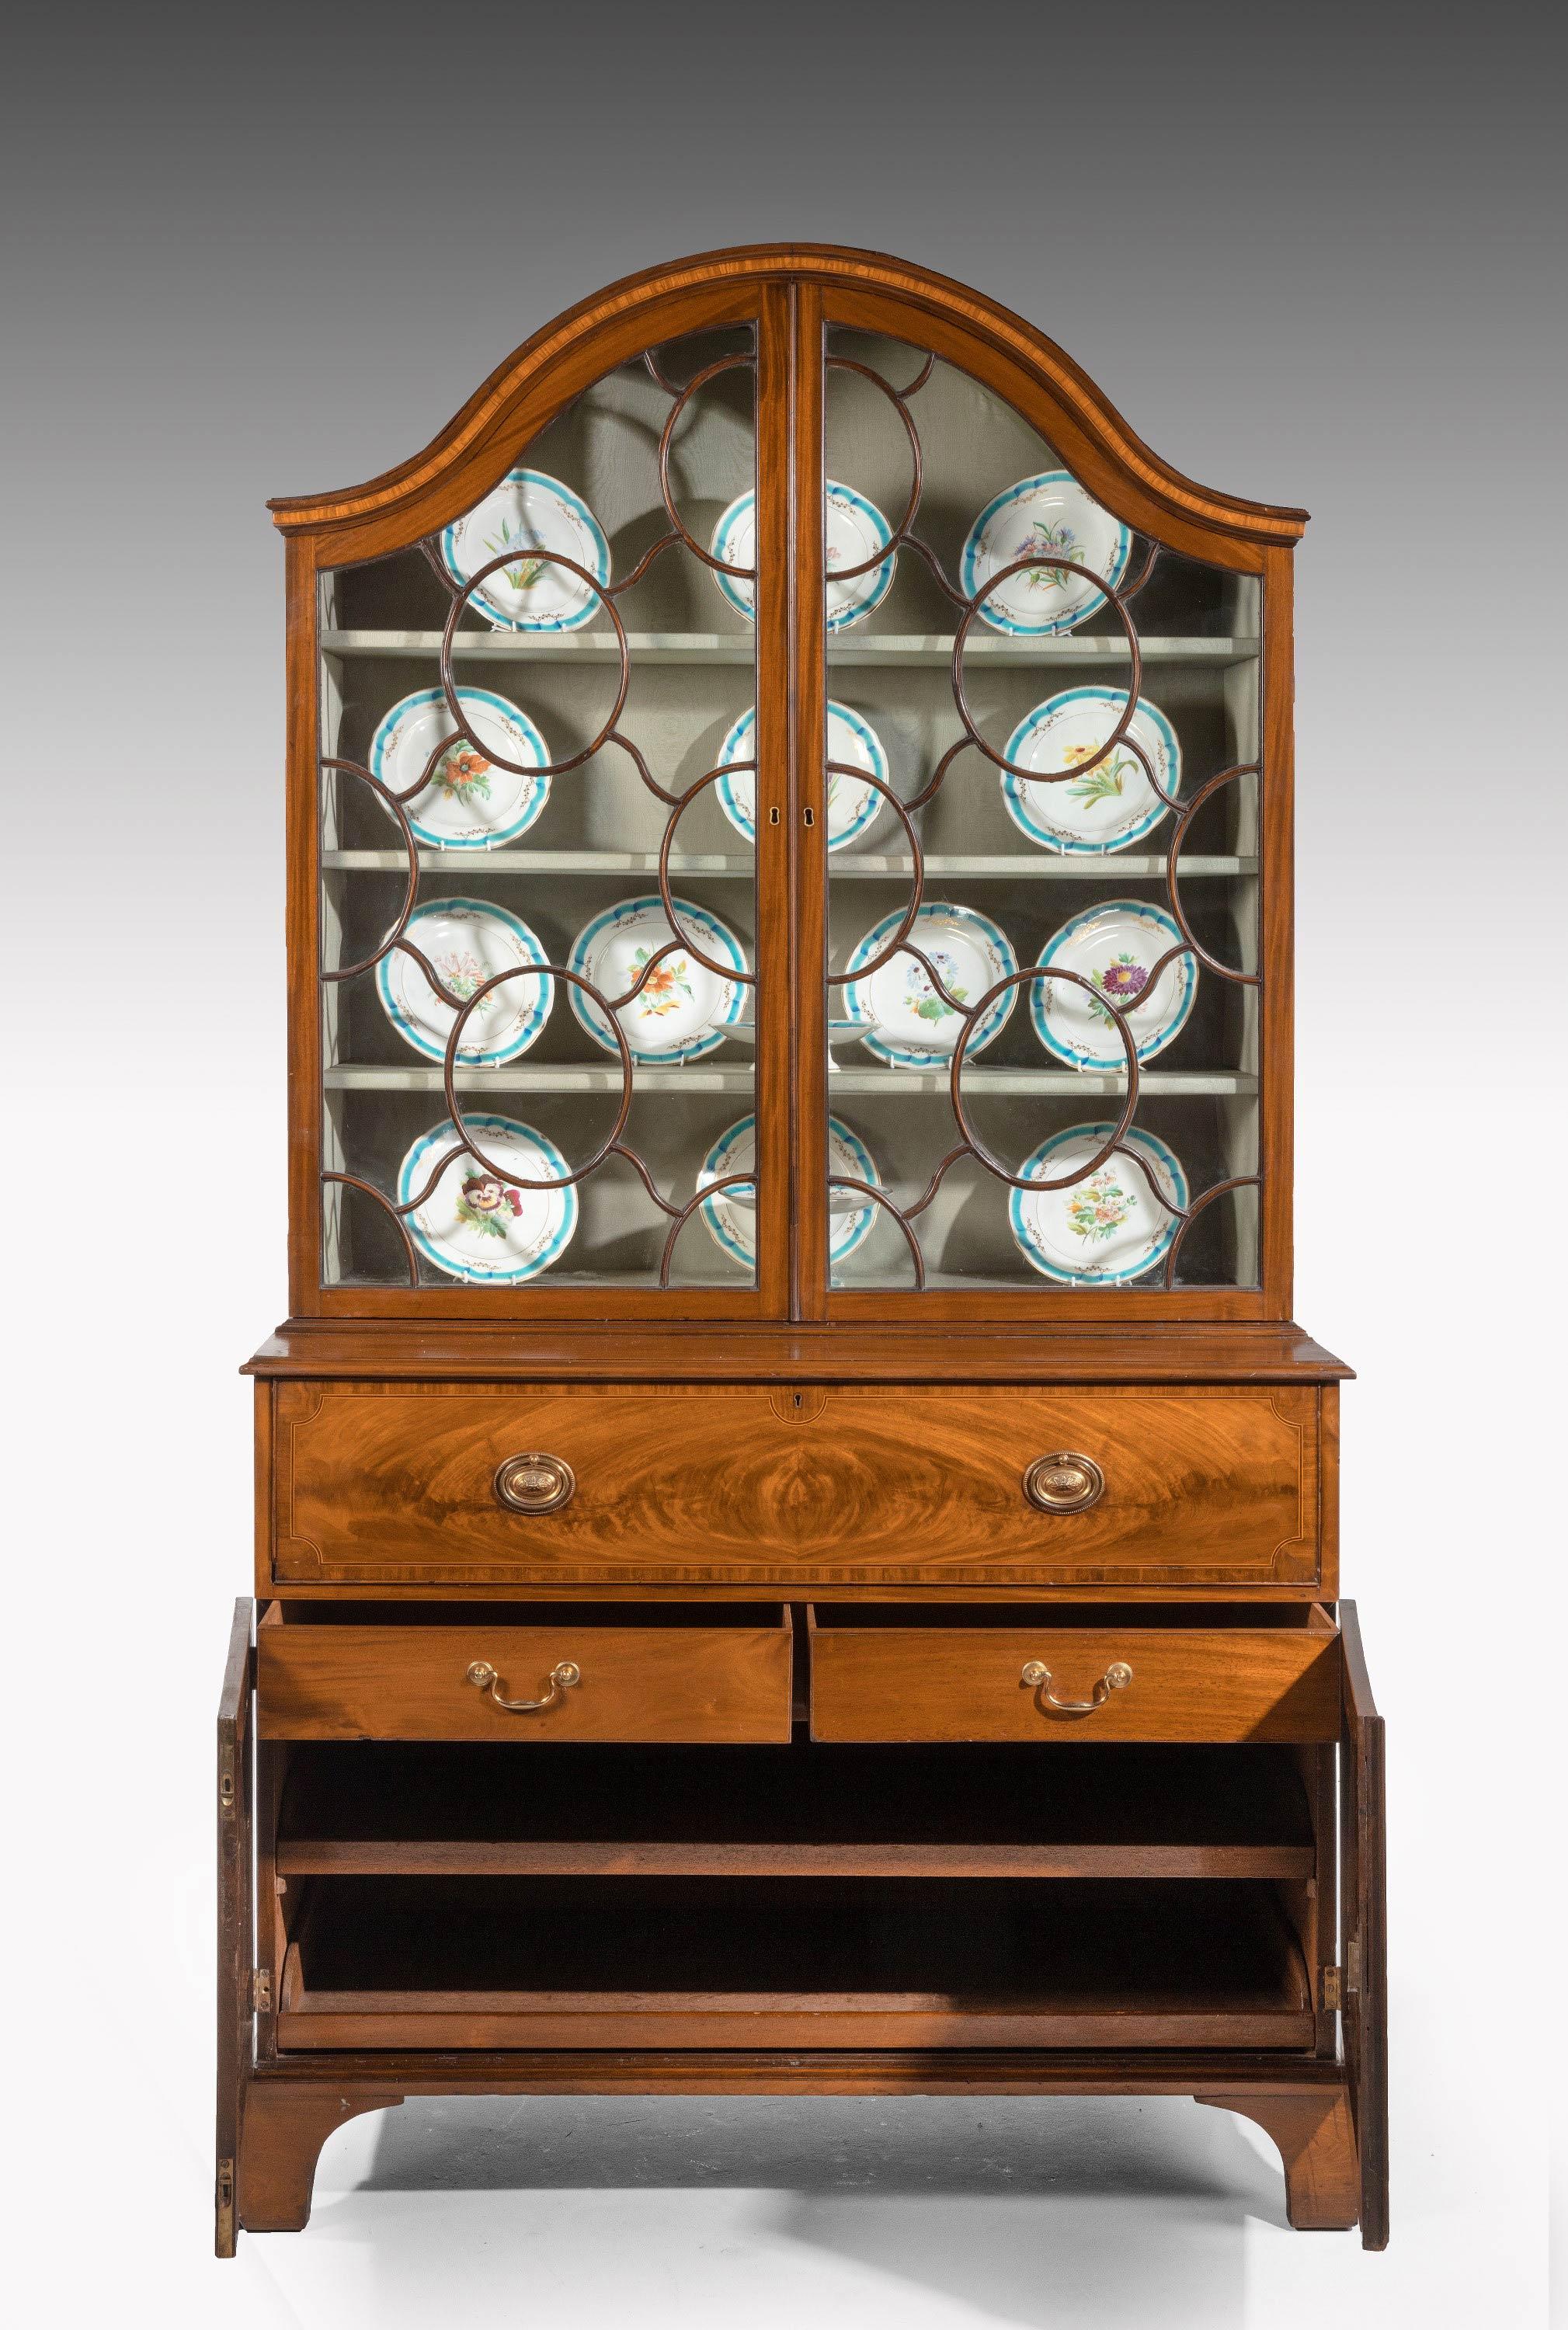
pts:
[535, 1484]
[1063, 1483]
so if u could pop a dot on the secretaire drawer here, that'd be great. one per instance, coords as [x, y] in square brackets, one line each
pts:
[783, 1487]
[327, 1673]
[1050, 1675]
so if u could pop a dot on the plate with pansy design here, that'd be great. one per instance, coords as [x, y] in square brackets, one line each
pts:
[1039, 515]
[477, 1223]
[682, 1009]
[1103, 807]
[1115, 947]
[471, 802]
[1103, 1228]
[900, 1016]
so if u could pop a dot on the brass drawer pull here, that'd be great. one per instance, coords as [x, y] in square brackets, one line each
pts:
[1038, 1678]
[482, 1676]
[1063, 1483]
[535, 1484]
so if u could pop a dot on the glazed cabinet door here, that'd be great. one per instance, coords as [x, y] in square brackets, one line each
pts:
[541, 939]
[1045, 843]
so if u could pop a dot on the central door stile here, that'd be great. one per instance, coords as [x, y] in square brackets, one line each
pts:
[774, 952]
[807, 815]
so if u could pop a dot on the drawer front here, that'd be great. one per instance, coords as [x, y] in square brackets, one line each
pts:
[1219, 1684]
[1203, 1485]
[702, 1684]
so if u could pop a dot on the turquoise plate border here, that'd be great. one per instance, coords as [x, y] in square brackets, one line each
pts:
[1185, 968]
[864, 1218]
[872, 943]
[880, 579]
[532, 1025]
[874, 801]
[968, 580]
[700, 918]
[486, 607]
[446, 1133]
[1158, 1153]
[541, 784]
[1013, 789]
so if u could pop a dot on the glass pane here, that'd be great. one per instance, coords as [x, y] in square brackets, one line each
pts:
[1045, 944]
[501, 935]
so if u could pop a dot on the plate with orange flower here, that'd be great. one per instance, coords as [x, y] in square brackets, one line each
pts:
[682, 1009]
[472, 801]
[477, 1223]
[1103, 1228]
[1107, 807]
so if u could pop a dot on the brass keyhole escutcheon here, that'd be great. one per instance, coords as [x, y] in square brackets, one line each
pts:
[534, 1484]
[1066, 1482]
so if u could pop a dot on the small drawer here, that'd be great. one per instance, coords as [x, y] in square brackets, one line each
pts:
[1056, 1676]
[331, 1674]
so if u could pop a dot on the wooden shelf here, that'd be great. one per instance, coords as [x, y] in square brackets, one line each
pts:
[863, 649]
[1036, 865]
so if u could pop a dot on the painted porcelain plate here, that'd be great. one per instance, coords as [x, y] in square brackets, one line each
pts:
[686, 1010]
[851, 806]
[1050, 511]
[467, 942]
[902, 1019]
[477, 1228]
[732, 1215]
[470, 802]
[1107, 1229]
[526, 513]
[1115, 946]
[854, 529]
[1111, 805]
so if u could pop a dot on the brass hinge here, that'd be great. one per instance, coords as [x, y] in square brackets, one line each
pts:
[1333, 1990]
[261, 1990]
[225, 2208]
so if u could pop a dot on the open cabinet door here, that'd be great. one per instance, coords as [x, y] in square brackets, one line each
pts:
[1365, 2015]
[235, 1956]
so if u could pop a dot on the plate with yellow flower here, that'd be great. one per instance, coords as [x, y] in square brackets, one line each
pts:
[1115, 947]
[682, 1009]
[1103, 1228]
[1088, 811]
[479, 1224]
[471, 802]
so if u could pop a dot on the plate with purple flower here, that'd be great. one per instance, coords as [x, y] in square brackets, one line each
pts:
[1114, 946]
[471, 802]
[901, 1017]
[1103, 1228]
[477, 1223]
[1101, 808]
[1039, 515]
[854, 530]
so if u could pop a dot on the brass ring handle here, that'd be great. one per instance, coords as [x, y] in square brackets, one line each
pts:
[535, 1484]
[1037, 1676]
[1066, 1483]
[484, 1677]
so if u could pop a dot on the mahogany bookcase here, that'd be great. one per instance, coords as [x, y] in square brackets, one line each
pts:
[793, 1556]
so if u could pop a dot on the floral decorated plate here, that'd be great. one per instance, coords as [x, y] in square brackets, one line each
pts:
[854, 529]
[684, 1010]
[1111, 805]
[902, 1019]
[1048, 513]
[470, 802]
[1115, 946]
[467, 942]
[526, 514]
[851, 806]
[1108, 1228]
[731, 1215]
[476, 1227]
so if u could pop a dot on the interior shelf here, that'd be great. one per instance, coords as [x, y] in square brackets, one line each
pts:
[1189, 1083]
[600, 646]
[785, 1962]
[1039, 865]
[799, 1812]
